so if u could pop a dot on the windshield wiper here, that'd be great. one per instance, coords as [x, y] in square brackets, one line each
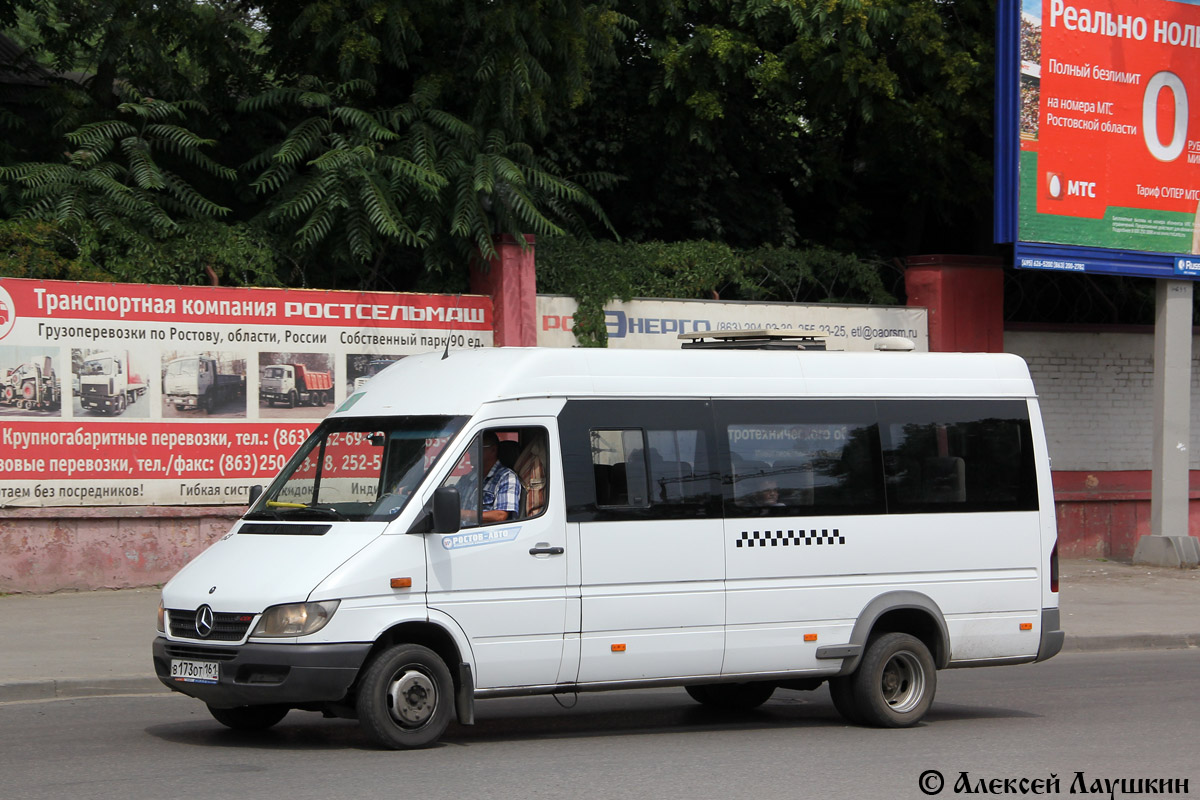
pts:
[300, 509]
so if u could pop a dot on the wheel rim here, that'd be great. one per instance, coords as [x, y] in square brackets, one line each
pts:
[903, 682]
[411, 697]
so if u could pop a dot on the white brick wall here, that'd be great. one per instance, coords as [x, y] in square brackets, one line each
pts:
[1097, 396]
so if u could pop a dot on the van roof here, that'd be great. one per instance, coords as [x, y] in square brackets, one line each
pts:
[465, 380]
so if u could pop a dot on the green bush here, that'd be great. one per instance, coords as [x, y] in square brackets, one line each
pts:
[597, 272]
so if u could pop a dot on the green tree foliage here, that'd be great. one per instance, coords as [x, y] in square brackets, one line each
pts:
[384, 143]
[115, 175]
[428, 136]
[860, 124]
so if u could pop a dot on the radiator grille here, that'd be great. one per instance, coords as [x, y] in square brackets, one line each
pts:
[227, 627]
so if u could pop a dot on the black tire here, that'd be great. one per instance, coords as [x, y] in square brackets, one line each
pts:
[206, 403]
[292, 399]
[249, 718]
[732, 696]
[842, 692]
[895, 682]
[405, 698]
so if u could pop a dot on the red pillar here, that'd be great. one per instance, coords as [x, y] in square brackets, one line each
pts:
[511, 281]
[965, 299]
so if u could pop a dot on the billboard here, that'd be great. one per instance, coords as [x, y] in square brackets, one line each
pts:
[641, 324]
[1098, 162]
[127, 394]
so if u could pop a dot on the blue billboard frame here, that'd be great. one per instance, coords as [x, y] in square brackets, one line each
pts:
[1043, 255]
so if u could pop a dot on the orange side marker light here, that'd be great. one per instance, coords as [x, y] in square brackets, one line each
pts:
[401, 583]
[810, 637]
[1026, 626]
[618, 648]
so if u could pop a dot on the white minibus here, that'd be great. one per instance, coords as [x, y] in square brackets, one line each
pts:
[731, 522]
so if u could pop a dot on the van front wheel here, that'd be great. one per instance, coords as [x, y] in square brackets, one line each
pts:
[895, 682]
[406, 698]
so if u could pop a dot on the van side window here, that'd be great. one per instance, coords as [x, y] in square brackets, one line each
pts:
[639, 459]
[637, 468]
[967, 456]
[517, 481]
[788, 458]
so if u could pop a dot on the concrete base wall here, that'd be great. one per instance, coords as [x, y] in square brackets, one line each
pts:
[1105, 514]
[54, 549]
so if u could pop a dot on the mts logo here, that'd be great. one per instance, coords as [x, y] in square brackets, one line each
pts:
[1058, 188]
[1081, 188]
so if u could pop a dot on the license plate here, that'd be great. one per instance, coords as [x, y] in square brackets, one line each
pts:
[195, 671]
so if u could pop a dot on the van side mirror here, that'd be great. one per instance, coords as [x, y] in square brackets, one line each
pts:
[255, 492]
[447, 510]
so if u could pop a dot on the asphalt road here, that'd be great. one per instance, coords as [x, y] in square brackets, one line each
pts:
[1107, 715]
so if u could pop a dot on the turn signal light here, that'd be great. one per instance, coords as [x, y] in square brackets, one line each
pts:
[401, 583]
[618, 648]
[1026, 626]
[810, 637]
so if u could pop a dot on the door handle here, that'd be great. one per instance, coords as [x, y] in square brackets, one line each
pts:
[543, 550]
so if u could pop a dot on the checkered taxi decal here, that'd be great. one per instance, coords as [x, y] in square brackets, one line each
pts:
[792, 538]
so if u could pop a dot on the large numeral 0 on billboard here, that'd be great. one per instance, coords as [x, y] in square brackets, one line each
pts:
[1165, 80]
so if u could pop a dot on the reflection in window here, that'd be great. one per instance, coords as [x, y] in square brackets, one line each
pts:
[803, 468]
[619, 465]
[637, 468]
[357, 468]
[957, 461]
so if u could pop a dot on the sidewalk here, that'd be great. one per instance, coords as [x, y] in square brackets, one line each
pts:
[78, 644]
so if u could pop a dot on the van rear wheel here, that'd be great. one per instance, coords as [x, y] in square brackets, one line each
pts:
[249, 718]
[895, 683]
[406, 697]
[731, 696]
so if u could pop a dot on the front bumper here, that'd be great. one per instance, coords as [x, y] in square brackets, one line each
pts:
[257, 674]
[98, 401]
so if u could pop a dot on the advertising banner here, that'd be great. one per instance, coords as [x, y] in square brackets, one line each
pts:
[127, 394]
[1109, 126]
[658, 323]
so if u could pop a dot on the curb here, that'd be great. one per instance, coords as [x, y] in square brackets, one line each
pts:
[1131, 641]
[56, 689]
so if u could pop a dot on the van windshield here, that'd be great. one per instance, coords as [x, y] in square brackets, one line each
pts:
[357, 469]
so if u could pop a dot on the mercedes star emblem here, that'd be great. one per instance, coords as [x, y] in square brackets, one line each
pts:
[204, 621]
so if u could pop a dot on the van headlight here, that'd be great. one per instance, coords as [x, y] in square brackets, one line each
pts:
[295, 619]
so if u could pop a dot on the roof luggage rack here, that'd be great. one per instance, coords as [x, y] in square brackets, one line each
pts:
[774, 339]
